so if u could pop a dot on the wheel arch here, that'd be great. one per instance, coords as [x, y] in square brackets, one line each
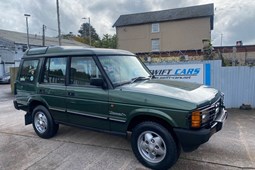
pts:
[152, 118]
[33, 103]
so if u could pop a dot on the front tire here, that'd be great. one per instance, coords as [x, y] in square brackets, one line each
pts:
[43, 123]
[154, 146]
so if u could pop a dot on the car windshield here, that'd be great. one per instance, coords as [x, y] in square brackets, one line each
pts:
[124, 69]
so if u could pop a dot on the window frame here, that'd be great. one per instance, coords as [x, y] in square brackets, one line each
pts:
[152, 45]
[155, 28]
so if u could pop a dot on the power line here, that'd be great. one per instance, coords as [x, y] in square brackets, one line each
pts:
[52, 29]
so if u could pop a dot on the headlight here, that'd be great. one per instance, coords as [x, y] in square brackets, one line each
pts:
[205, 116]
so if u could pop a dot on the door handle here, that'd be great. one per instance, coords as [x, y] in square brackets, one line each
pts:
[42, 91]
[70, 93]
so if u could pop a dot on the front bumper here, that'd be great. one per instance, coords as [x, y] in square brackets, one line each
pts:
[192, 139]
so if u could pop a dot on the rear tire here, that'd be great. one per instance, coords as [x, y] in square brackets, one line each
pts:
[43, 123]
[154, 146]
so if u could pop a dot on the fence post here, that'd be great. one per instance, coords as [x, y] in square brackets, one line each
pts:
[13, 72]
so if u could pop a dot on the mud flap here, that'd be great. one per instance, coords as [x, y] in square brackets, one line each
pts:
[28, 118]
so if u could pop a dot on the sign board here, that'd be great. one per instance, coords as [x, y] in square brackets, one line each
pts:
[181, 72]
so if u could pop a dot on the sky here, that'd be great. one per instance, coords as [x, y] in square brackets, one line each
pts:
[234, 20]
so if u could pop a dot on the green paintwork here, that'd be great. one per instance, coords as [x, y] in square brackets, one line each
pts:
[160, 98]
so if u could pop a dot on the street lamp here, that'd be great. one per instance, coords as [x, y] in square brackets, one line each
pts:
[27, 15]
[89, 30]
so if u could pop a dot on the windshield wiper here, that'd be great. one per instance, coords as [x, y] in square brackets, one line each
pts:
[138, 78]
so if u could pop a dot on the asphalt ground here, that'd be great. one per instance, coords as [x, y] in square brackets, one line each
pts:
[232, 148]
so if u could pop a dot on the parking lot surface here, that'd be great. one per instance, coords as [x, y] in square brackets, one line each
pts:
[74, 148]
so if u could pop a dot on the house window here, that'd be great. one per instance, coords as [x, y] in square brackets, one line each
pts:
[155, 45]
[155, 27]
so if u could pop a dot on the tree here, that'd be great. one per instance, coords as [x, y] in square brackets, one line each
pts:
[68, 36]
[109, 41]
[84, 33]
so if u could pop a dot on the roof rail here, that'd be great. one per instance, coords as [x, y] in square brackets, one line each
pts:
[36, 51]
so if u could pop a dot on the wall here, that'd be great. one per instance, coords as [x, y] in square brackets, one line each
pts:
[173, 35]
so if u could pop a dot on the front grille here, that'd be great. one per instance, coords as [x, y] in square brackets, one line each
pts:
[210, 113]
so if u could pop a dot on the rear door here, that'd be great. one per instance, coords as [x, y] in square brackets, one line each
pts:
[87, 105]
[52, 88]
[26, 81]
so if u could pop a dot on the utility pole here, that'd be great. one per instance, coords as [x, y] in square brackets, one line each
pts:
[43, 37]
[27, 15]
[59, 32]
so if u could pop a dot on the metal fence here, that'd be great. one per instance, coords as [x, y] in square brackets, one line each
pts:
[236, 82]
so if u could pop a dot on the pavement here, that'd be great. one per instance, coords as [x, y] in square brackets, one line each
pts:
[233, 148]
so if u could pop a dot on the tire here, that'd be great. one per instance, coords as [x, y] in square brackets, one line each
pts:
[154, 146]
[43, 123]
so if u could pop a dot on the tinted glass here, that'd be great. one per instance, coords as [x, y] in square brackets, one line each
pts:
[55, 70]
[83, 69]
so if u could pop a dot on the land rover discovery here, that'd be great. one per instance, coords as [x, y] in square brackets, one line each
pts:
[113, 91]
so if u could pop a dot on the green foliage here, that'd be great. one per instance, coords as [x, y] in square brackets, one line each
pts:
[85, 31]
[108, 41]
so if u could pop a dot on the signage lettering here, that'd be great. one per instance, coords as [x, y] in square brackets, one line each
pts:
[184, 72]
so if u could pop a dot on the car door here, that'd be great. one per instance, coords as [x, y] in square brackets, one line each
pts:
[52, 88]
[87, 105]
[26, 81]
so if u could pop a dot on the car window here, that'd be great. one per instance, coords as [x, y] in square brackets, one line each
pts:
[82, 70]
[122, 68]
[7, 74]
[55, 70]
[29, 71]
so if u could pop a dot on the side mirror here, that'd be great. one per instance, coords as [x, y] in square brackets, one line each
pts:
[97, 82]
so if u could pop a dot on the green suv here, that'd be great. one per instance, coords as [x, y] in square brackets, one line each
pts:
[113, 91]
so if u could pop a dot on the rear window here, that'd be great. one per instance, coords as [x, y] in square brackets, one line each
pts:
[29, 71]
